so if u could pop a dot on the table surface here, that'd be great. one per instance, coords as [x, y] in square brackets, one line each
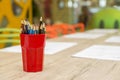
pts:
[62, 66]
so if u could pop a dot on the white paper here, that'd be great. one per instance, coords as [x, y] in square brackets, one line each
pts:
[50, 48]
[114, 39]
[54, 47]
[85, 35]
[102, 31]
[100, 52]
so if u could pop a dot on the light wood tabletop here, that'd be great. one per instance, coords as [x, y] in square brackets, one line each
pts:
[62, 66]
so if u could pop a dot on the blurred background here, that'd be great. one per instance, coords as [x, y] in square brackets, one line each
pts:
[61, 16]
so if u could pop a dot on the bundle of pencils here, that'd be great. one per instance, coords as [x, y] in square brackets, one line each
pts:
[27, 28]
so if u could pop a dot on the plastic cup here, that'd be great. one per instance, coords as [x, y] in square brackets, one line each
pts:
[32, 51]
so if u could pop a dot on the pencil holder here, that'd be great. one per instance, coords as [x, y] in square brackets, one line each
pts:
[32, 51]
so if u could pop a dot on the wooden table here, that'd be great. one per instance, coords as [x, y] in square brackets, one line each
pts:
[62, 66]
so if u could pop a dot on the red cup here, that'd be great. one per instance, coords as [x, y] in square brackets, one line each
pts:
[32, 51]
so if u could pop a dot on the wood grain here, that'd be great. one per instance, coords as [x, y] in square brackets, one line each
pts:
[62, 66]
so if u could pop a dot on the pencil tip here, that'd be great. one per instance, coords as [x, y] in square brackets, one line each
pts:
[40, 18]
[44, 24]
[25, 22]
[22, 22]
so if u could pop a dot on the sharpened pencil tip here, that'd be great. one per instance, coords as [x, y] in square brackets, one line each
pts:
[43, 23]
[22, 22]
[25, 22]
[40, 18]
